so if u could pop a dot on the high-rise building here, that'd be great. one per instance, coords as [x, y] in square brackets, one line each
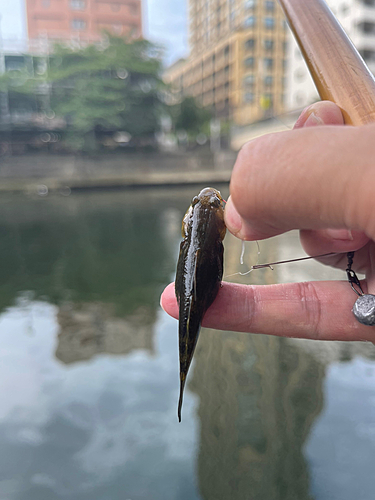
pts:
[238, 58]
[83, 20]
[358, 20]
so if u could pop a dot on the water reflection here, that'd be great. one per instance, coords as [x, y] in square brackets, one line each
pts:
[87, 248]
[89, 370]
[93, 429]
[258, 398]
[88, 329]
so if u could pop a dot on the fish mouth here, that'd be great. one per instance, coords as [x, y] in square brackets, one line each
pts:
[210, 196]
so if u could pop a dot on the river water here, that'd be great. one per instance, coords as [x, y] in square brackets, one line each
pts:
[89, 369]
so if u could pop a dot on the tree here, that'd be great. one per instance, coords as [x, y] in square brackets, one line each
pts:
[106, 88]
[188, 116]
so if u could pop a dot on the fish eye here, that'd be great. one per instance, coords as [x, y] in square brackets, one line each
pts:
[195, 200]
[214, 200]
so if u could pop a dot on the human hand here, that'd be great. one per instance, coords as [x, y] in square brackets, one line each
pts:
[319, 180]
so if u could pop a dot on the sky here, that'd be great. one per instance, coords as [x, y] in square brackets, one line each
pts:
[165, 22]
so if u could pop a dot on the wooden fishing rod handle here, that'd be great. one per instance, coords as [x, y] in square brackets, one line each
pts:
[338, 70]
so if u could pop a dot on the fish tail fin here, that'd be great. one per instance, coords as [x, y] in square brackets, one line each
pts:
[182, 386]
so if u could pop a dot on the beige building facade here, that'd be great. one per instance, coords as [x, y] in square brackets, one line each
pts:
[237, 63]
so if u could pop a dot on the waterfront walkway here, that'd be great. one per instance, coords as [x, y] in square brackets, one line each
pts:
[44, 173]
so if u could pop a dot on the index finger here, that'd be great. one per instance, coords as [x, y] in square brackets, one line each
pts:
[310, 178]
[319, 310]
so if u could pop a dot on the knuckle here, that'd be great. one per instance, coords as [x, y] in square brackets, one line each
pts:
[311, 307]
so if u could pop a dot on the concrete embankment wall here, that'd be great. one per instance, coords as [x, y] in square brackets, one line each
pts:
[29, 172]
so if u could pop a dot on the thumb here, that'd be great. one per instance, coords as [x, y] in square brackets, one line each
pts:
[320, 113]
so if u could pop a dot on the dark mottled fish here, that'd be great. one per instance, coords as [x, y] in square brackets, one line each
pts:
[199, 271]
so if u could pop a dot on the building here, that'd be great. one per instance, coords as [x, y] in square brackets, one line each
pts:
[238, 58]
[82, 20]
[358, 20]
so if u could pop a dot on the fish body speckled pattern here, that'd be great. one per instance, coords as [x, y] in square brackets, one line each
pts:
[199, 271]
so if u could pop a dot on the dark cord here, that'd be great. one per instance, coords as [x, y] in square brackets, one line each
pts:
[352, 277]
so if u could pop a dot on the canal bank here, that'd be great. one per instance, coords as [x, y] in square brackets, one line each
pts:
[47, 172]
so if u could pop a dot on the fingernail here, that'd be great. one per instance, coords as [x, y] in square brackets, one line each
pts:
[161, 302]
[233, 219]
[313, 120]
[340, 234]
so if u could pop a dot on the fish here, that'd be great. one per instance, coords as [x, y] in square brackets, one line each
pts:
[199, 272]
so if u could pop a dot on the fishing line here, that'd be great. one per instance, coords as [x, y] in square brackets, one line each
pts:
[270, 264]
[242, 260]
[242, 252]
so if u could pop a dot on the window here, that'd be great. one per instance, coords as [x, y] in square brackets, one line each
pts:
[269, 23]
[268, 81]
[285, 47]
[249, 81]
[250, 22]
[368, 54]
[370, 3]
[250, 4]
[345, 9]
[268, 63]
[269, 5]
[268, 45]
[249, 44]
[367, 27]
[78, 24]
[41, 67]
[300, 74]
[248, 97]
[14, 63]
[226, 50]
[77, 4]
[249, 62]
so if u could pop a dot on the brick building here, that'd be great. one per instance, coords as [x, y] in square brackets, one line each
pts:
[83, 20]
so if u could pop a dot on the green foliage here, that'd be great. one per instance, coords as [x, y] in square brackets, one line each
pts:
[108, 88]
[101, 89]
[188, 116]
